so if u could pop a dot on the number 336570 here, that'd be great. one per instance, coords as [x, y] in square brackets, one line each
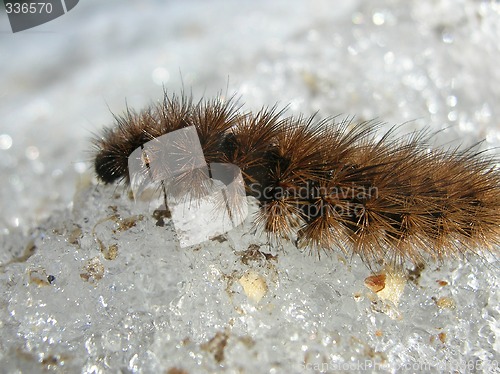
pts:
[25, 8]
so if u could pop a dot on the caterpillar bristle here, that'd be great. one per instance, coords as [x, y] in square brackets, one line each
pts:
[328, 183]
[249, 142]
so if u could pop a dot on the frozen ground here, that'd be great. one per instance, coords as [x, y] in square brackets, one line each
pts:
[90, 283]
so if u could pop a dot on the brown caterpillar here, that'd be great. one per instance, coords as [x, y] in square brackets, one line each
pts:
[330, 183]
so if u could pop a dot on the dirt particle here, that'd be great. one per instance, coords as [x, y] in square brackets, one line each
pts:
[254, 285]
[176, 371]
[92, 271]
[38, 276]
[216, 345]
[111, 252]
[160, 214]
[219, 238]
[254, 254]
[442, 337]
[376, 283]
[445, 302]
[75, 235]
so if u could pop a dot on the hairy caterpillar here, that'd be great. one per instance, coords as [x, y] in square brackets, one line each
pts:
[328, 183]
